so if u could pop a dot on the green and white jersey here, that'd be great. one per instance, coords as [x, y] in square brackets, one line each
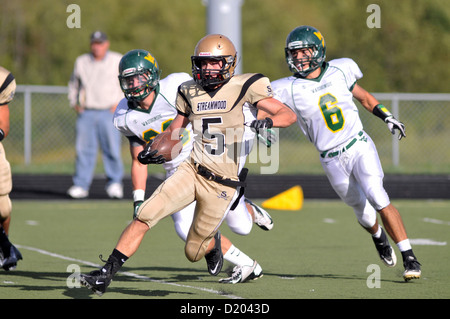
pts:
[146, 124]
[324, 106]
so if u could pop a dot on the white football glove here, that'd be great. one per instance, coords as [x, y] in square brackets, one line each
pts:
[394, 124]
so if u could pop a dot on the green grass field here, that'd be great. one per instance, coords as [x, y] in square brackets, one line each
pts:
[318, 252]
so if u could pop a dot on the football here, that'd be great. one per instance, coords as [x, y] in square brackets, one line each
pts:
[167, 146]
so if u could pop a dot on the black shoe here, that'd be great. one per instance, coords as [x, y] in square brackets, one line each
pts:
[412, 268]
[385, 250]
[99, 280]
[10, 262]
[214, 259]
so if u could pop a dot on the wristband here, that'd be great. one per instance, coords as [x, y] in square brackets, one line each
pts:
[2, 135]
[381, 111]
[138, 194]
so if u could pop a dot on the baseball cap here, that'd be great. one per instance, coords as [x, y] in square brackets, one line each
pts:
[98, 36]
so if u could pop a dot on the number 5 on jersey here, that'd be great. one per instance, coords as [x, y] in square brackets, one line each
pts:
[217, 148]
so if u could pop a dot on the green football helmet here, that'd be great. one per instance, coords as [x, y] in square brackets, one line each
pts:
[305, 37]
[138, 75]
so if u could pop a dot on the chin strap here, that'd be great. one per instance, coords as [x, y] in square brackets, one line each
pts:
[132, 104]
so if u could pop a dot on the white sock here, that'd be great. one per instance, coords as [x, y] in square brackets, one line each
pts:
[378, 233]
[404, 245]
[237, 257]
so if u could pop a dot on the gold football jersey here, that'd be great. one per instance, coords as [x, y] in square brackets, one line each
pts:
[7, 90]
[7, 86]
[220, 119]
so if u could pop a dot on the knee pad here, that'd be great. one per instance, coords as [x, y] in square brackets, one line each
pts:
[195, 250]
[366, 214]
[378, 198]
[242, 229]
[240, 220]
[196, 244]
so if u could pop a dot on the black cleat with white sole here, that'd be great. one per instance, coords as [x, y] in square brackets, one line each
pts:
[385, 250]
[214, 259]
[99, 280]
[412, 268]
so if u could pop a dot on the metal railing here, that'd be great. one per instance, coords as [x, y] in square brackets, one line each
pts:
[42, 136]
[27, 91]
[395, 99]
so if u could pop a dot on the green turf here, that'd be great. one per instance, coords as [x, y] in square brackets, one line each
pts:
[319, 252]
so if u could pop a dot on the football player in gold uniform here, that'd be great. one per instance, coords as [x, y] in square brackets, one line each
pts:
[9, 254]
[221, 107]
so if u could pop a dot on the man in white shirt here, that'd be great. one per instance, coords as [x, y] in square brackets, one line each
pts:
[94, 94]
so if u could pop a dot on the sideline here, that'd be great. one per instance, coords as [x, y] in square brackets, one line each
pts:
[126, 273]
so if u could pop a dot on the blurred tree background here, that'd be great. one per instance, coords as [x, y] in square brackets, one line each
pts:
[408, 53]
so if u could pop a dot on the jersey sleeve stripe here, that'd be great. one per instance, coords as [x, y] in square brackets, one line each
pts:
[180, 93]
[246, 85]
[7, 81]
[182, 113]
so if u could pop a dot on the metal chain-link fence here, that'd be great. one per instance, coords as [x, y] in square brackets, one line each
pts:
[42, 136]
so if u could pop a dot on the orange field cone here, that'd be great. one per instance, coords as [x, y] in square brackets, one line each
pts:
[291, 199]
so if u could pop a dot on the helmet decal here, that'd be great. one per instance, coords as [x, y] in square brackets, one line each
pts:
[319, 35]
[152, 60]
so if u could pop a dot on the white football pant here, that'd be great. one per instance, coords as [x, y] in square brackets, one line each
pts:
[357, 177]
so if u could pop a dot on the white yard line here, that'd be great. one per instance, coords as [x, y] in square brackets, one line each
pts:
[126, 273]
[436, 221]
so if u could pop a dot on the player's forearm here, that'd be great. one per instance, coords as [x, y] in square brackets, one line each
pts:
[284, 117]
[367, 100]
[138, 175]
[369, 103]
[4, 121]
[281, 115]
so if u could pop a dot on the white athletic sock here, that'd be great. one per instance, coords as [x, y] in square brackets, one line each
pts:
[404, 245]
[237, 257]
[378, 233]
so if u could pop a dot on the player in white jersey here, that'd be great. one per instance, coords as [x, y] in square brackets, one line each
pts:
[142, 118]
[321, 93]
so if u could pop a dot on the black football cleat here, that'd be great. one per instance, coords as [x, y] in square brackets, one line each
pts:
[10, 262]
[99, 280]
[214, 259]
[385, 250]
[412, 268]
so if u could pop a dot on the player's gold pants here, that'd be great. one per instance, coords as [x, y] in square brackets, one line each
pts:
[178, 191]
[5, 186]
